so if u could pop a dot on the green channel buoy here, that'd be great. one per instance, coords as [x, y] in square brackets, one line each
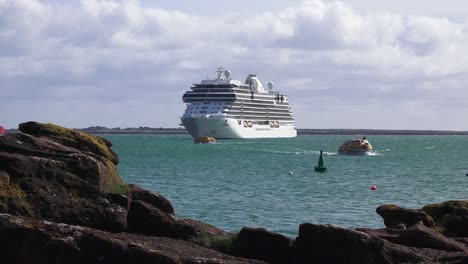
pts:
[321, 165]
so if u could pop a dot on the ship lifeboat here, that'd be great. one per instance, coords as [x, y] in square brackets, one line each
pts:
[355, 147]
[204, 139]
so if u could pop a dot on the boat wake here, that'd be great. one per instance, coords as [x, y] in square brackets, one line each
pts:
[298, 152]
[372, 153]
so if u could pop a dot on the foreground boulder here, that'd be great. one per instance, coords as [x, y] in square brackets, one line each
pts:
[154, 199]
[259, 243]
[451, 217]
[27, 240]
[397, 217]
[419, 236]
[43, 179]
[146, 219]
[331, 244]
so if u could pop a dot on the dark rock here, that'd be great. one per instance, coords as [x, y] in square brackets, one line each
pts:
[146, 219]
[95, 246]
[46, 180]
[395, 216]
[418, 236]
[147, 256]
[119, 199]
[331, 244]
[451, 217]
[204, 229]
[143, 218]
[259, 243]
[24, 155]
[423, 237]
[32, 245]
[30, 241]
[155, 199]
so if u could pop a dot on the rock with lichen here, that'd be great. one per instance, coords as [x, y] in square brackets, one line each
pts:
[71, 138]
[45, 179]
[450, 218]
[398, 217]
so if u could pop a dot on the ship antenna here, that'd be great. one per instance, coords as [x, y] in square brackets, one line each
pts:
[220, 72]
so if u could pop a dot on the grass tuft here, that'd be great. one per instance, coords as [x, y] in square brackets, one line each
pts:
[120, 189]
[225, 244]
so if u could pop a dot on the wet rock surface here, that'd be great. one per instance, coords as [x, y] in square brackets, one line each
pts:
[63, 201]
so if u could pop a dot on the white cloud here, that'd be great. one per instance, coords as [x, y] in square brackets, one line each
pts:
[324, 55]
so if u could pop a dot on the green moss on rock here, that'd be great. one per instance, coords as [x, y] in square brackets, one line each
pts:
[68, 137]
[111, 177]
[119, 188]
[449, 217]
[12, 197]
[225, 244]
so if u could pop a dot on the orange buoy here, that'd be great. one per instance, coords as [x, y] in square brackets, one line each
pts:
[373, 188]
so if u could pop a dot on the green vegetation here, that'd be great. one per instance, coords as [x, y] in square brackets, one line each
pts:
[120, 188]
[114, 176]
[12, 197]
[225, 244]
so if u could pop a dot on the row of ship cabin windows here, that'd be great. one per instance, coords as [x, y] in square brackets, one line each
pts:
[248, 123]
[205, 103]
[206, 107]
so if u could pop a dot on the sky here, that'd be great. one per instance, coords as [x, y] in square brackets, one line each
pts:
[351, 64]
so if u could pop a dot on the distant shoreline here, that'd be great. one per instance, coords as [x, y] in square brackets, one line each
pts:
[300, 131]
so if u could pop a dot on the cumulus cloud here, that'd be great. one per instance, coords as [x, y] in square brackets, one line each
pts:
[121, 63]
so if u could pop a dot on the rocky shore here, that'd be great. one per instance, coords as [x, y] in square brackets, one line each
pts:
[62, 200]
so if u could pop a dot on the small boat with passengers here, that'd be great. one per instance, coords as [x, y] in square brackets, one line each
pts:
[204, 139]
[355, 147]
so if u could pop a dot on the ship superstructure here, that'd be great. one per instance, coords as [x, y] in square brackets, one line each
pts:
[227, 108]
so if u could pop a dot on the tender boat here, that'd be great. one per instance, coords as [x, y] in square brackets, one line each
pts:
[355, 147]
[204, 139]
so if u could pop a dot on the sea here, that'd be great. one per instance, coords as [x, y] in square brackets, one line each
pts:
[271, 183]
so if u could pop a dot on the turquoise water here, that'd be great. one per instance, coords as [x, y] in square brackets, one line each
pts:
[236, 183]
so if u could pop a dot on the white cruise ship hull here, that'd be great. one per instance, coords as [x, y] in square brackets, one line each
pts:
[220, 127]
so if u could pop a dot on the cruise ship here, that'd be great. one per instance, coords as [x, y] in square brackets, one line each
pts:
[227, 108]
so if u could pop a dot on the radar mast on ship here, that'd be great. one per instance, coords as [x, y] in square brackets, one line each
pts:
[223, 74]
